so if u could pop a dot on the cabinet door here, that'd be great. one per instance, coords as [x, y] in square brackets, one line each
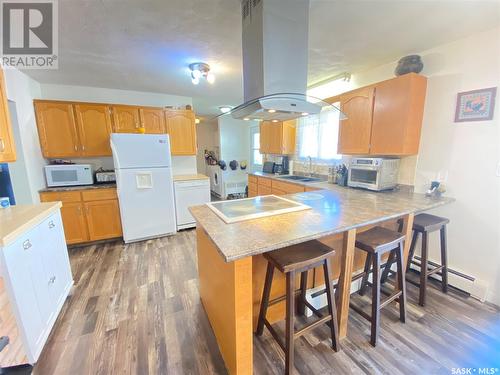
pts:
[74, 223]
[57, 129]
[271, 137]
[153, 120]
[103, 218]
[181, 128]
[397, 115]
[94, 126]
[27, 277]
[7, 147]
[264, 190]
[125, 119]
[288, 143]
[56, 260]
[355, 131]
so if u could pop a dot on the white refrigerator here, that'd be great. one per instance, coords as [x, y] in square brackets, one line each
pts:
[144, 183]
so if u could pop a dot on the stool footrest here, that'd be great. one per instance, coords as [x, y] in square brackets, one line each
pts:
[281, 298]
[360, 312]
[391, 298]
[435, 270]
[312, 325]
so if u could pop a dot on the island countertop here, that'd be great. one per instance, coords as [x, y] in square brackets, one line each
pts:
[333, 210]
[17, 219]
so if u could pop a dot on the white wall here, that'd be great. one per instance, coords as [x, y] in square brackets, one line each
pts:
[180, 164]
[464, 155]
[22, 90]
[207, 135]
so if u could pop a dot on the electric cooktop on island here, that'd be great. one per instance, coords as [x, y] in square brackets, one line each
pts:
[253, 208]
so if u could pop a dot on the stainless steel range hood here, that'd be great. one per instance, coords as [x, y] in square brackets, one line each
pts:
[275, 59]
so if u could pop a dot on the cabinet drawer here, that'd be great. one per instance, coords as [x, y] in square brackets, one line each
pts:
[63, 196]
[252, 179]
[265, 181]
[99, 194]
[285, 186]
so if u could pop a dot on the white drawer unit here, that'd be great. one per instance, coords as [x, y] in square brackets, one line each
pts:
[37, 278]
[189, 193]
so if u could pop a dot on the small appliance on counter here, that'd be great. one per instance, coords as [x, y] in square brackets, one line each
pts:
[281, 165]
[103, 176]
[375, 174]
[268, 167]
[68, 175]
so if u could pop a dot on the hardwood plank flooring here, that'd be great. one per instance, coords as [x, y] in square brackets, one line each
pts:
[135, 309]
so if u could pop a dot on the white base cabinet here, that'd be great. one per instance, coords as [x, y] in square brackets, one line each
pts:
[37, 277]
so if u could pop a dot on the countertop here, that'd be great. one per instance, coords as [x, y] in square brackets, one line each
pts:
[79, 187]
[189, 177]
[333, 210]
[15, 220]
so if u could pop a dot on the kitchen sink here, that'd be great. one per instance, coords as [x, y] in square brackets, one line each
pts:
[301, 178]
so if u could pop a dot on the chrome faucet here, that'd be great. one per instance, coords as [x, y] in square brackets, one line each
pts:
[310, 166]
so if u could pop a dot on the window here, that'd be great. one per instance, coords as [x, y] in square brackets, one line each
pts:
[318, 135]
[256, 156]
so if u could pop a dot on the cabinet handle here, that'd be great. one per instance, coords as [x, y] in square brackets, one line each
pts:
[2, 145]
[79, 210]
[83, 147]
[52, 280]
[76, 148]
[51, 224]
[27, 244]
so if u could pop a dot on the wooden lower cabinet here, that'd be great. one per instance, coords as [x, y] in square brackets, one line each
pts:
[75, 225]
[103, 218]
[88, 215]
[264, 190]
[267, 186]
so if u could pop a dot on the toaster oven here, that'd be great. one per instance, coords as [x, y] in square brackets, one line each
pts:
[373, 173]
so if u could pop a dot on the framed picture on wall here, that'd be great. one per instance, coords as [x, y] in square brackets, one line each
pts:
[475, 105]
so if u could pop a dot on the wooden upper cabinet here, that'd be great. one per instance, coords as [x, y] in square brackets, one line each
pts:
[277, 137]
[181, 129]
[384, 118]
[397, 115]
[94, 127]
[7, 146]
[355, 131]
[57, 129]
[126, 119]
[153, 120]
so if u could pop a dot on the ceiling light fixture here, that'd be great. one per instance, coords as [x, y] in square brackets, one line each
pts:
[275, 121]
[201, 70]
[225, 108]
[196, 120]
[305, 114]
[271, 110]
[246, 119]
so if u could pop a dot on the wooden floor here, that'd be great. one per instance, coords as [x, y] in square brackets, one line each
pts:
[135, 310]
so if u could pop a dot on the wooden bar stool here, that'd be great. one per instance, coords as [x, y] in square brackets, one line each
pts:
[425, 224]
[376, 242]
[290, 261]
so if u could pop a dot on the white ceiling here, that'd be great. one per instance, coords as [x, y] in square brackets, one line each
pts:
[146, 45]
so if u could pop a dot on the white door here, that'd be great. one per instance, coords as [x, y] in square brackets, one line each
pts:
[140, 150]
[28, 282]
[146, 202]
[190, 193]
[56, 260]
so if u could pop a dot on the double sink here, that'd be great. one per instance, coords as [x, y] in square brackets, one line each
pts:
[300, 178]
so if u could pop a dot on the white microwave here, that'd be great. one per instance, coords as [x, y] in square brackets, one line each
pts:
[69, 175]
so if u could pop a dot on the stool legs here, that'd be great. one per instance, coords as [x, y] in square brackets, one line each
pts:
[364, 280]
[444, 260]
[265, 298]
[290, 307]
[301, 306]
[423, 268]
[332, 309]
[401, 281]
[412, 249]
[375, 299]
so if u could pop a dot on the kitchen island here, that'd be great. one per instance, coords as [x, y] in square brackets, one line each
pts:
[231, 268]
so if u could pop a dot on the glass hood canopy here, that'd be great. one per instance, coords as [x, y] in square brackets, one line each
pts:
[282, 107]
